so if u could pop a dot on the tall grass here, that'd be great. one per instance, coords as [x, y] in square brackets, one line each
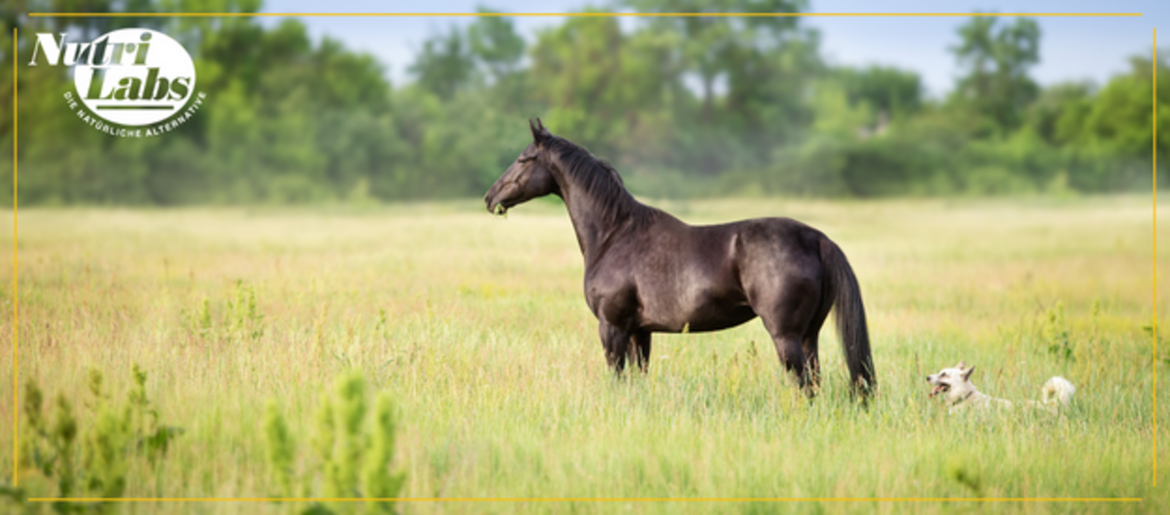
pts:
[477, 329]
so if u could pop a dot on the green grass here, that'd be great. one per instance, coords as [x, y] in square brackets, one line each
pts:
[477, 328]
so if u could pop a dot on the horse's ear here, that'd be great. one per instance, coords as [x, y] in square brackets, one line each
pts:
[539, 133]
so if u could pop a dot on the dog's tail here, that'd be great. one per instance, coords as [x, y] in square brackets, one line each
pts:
[1058, 390]
[841, 287]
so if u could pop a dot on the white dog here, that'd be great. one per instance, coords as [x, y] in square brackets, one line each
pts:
[960, 394]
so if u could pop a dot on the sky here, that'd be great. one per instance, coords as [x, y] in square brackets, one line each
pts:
[1071, 48]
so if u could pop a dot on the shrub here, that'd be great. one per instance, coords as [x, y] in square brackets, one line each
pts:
[89, 460]
[352, 448]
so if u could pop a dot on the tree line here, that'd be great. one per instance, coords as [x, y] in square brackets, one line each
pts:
[682, 106]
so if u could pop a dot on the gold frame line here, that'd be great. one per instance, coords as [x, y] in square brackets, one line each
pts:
[15, 380]
[571, 15]
[1154, 234]
[15, 267]
[593, 499]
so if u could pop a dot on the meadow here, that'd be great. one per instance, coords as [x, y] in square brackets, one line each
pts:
[476, 328]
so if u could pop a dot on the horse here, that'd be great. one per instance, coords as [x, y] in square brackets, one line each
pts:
[648, 272]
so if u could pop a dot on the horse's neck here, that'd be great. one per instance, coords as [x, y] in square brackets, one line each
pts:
[594, 229]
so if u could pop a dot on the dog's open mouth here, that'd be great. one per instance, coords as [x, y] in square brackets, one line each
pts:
[942, 388]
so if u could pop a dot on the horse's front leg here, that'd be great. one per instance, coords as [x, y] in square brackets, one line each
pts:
[616, 343]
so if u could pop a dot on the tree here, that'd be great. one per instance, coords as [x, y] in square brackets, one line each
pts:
[445, 64]
[494, 43]
[996, 61]
[595, 80]
[715, 49]
[884, 89]
[1120, 116]
[1059, 111]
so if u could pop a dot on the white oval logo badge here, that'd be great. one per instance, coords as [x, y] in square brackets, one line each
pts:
[139, 77]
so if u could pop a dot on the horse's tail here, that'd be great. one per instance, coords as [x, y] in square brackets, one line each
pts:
[845, 294]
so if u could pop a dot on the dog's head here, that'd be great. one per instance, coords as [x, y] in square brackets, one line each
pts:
[953, 383]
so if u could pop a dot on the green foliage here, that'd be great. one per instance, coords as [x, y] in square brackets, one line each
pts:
[752, 77]
[150, 436]
[103, 457]
[203, 318]
[1162, 345]
[90, 457]
[240, 321]
[997, 60]
[376, 479]
[352, 447]
[683, 106]
[280, 446]
[885, 89]
[50, 447]
[244, 319]
[495, 43]
[445, 64]
[1056, 334]
[963, 472]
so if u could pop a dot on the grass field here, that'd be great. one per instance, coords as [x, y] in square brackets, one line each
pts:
[477, 328]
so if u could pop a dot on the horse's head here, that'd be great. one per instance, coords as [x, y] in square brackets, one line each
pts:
[527, 178]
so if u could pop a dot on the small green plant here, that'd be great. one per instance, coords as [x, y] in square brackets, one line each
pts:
[280, 446]
[49, 446]
[352, 446]
[961, 471]
[382, 326]
[1149, 330]
[91, 461]
[203, 321]
[1056, 334]
[241, 319]
[150, 436]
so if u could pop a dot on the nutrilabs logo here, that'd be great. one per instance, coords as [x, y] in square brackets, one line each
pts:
[132, 82]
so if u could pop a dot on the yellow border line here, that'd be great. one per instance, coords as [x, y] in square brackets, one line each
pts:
[15, 381]
[572, 15]
[592, 499]
[1154, 316]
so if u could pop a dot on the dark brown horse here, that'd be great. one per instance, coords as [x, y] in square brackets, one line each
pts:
[646, 271]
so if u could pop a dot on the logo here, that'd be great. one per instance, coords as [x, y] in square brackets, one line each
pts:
[131, 82]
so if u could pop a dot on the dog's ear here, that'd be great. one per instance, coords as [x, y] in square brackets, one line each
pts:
[967, 373]
[962, 365]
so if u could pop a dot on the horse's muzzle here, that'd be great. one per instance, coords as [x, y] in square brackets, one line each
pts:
[499, 198]
[495, 208]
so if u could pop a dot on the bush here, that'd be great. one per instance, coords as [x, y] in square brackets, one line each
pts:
[90, 457]
[351, 451]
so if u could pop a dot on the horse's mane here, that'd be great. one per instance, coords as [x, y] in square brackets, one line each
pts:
[600, 181]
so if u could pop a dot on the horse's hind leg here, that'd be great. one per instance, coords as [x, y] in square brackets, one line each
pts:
[616, 343]
[787, 314]
[812, 362]
[640, 349]
[809, 344]
[788, 347]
